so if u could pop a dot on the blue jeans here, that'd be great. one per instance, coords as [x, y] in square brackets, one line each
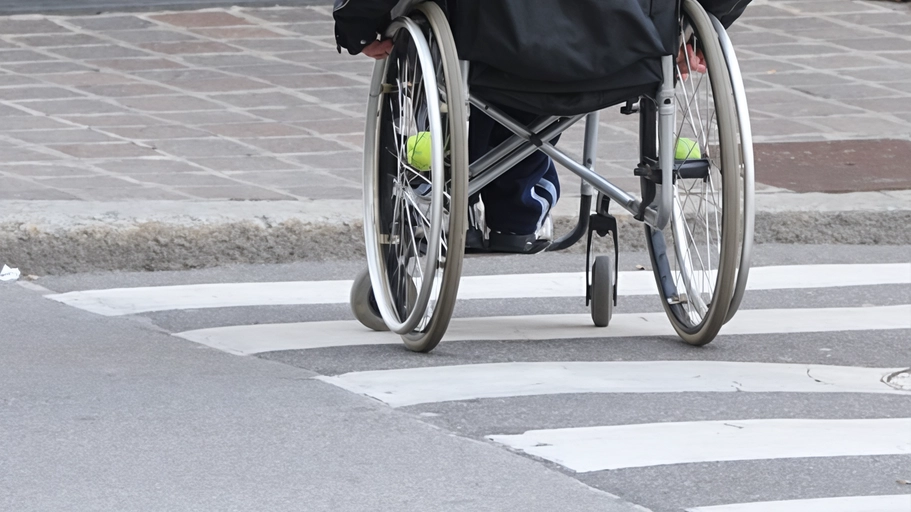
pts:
[518, 201]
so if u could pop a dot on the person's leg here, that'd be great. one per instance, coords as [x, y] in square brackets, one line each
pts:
[516, 203]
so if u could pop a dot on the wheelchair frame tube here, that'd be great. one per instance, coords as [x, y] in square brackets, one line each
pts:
[498, 153]
[667, 113]
[524, 149]
[589, 156]
[628, 202]
[590, 149]
[538, 142]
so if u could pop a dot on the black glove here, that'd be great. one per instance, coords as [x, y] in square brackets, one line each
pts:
[357, 22]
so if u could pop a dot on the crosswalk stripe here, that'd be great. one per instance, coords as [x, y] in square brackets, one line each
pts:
[126, 301]
[890, 503]
[399, 388]
[254, 339]
[602, 448]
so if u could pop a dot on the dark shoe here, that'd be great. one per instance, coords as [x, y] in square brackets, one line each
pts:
[523, 244]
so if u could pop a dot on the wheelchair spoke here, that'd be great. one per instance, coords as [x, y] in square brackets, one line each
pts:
[413, 259]
[397, 131]
[696, 86]
[400, 286]
[685, 273]
[688, 103]
[690, 99]
[690, 237]
[695, 122]
[415, 173]
[716, 207]
[417, 209]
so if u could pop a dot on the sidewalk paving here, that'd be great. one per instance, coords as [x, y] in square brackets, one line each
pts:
[184, 139]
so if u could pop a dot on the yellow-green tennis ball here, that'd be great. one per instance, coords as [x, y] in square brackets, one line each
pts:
[687, 149]
[419, 152]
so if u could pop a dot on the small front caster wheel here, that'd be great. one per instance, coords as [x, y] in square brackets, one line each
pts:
[602, 291]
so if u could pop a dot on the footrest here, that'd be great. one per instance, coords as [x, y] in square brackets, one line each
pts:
[691, 169]
[697, 169]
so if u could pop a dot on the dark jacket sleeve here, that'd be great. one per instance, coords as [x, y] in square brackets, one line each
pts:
[725, 10]
[358, 21]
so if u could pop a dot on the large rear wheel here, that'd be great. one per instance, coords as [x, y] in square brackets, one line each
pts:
[415, 179]
[696, 258]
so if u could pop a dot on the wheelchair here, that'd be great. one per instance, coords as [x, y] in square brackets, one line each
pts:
[695, 172]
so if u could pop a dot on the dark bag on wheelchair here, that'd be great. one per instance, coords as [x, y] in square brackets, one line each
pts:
[565, 57]
[555, 57]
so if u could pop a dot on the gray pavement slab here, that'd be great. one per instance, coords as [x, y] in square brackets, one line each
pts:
[124, 111]
[110, 414]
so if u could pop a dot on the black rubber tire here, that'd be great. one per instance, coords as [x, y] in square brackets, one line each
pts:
[602, 299]
[363, 304]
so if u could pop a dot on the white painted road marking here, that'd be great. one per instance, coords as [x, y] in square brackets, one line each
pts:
[126, 301]
[254, 339]
[892, 503]
[399, 388]
[655, 444]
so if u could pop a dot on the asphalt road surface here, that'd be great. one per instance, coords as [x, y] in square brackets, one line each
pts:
[226, 389]
[95, 6]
